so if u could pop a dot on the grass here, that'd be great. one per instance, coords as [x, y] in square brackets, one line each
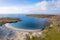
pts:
[50, 34]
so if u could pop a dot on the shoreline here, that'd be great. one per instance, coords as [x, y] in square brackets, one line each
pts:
[26, 30]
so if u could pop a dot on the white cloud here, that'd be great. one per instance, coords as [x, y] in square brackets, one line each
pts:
[41, 7]
[57, 4]
[13, 9]
[54, 5]
[8, 9]
[25, 9]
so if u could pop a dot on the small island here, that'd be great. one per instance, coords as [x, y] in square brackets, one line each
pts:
[8, 20]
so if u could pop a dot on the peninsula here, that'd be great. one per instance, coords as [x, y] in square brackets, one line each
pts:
[8, 20]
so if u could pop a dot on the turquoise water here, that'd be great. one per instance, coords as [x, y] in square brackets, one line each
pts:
[30, 23]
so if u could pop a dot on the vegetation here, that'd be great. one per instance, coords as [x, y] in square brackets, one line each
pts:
[51, 32]
[8, 20]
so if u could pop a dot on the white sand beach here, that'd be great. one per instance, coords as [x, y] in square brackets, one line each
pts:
[9, 26]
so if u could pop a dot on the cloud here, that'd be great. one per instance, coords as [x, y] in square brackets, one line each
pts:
[24, 9]
[8, 9]
[54, 5]
[40, 7]
[13, 9]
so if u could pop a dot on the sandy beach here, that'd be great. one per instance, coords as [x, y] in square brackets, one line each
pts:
[18, 29]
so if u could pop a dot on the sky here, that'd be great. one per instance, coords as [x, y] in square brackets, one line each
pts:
[30, 6]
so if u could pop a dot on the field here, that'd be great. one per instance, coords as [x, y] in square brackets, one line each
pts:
[51, 32]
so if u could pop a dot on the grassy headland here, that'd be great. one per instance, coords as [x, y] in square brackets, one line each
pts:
[51, 32]
[8, 20]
